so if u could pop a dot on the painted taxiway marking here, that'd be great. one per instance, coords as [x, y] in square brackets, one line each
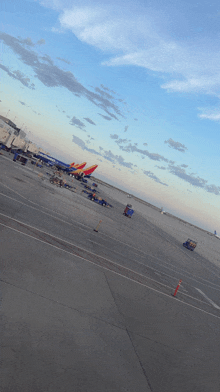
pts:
[184, 273]
[94, 254]
[115, 239]
[208, 299]
[112, 271]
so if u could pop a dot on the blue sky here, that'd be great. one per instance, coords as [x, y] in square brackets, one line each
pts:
[131, 86]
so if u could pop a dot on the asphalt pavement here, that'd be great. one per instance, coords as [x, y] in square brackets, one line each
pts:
[88, 311]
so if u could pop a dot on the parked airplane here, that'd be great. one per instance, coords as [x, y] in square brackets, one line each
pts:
[72, 168]
[55, 162]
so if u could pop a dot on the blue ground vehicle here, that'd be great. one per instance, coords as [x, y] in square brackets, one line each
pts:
[18, 157]
[190, 244]
[128, 211]
[98, 200]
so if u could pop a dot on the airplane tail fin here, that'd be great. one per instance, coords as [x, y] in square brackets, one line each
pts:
[90, 170]
[80, 165]
[85, 172]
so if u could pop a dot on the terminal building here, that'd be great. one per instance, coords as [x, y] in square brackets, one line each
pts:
[13, 137]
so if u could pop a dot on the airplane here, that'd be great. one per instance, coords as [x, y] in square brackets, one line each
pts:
[72, 168]
[61, 165]
[86, 173]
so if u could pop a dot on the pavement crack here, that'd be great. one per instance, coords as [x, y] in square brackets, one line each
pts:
[129, 335]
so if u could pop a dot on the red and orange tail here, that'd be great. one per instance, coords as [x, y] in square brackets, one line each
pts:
[72, 164]
[90, 170]
[80, 165]
[86, 172]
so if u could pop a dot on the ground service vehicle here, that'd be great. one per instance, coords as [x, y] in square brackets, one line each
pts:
[190, 244]
[128, 211]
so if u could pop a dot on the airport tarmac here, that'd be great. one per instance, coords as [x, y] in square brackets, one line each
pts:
[86, 312]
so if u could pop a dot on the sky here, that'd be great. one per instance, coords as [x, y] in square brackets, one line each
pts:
[131, 86]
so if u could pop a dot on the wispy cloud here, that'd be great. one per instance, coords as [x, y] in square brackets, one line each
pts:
[89, 120]
[210, 114]
[161, 167]
[142, 36]
[114, 136]
[121, 141]
[133, 148]
[107, 154]
[105, 117]
[191, 179]
[176, 145]
[18, 75]
[28, 42]
[77, 123]
[153, 177]
[52, 76]
[64, 60]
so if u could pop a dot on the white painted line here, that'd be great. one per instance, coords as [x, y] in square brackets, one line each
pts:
[108, 236]
[208, 299]
[123, 276]
[104, 258]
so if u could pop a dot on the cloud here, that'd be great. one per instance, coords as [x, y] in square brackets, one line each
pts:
[191, 179]
[64, 60]
[126, 128]
[157, 37]
[28, 41]
[153, 177]
[144, 144]
[41, 42]
[213, 189]
[161, 167]
[117, 159]
[107, 89]
[176, 145]
[47, 59]
[181, 173]
[77, 123]
[105, 117]
[121, 141]
[103, 93]
[52, 76]
[135, 119]
[89, 120]
[210, 114]
[150, 155]
[114, 136]
[18, 75]
[107, 154]
[83, 146]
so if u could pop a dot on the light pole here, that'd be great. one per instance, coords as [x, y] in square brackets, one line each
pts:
[8, 112]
